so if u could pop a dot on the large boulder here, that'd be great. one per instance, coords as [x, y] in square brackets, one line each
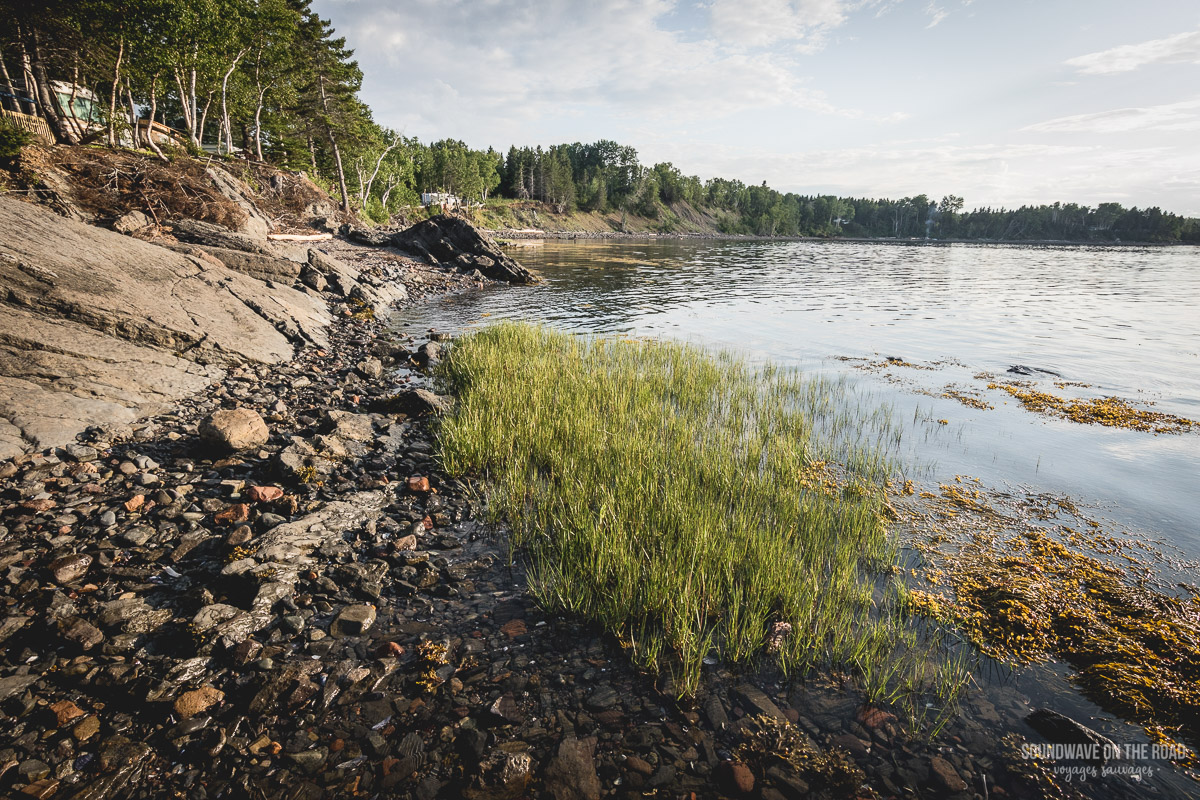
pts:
[235, 429]
[452, 239]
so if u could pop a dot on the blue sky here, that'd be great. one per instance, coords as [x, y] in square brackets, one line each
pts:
[1003, 102]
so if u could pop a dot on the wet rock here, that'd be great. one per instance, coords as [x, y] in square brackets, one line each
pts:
[42, 788]
[66, 712]
[197, 701]
[945, 776]
[82, 633]
[571, 773]
[353, 621]
[851, 744]
[1021, 369]
[117, 752]
[69, 569]
[602, 697]
[429, 354]
[235, 429]
[735, 777]
[1061, 729]
[755, 701]
[86, 729]
[15, 683]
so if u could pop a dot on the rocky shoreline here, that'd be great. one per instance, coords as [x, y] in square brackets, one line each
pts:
[294, 601]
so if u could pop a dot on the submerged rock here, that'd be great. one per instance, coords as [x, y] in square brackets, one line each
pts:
[571, 773]
[1061, 729]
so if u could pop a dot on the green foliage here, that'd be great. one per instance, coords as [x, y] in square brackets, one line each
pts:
[12, 139]
[670, 496]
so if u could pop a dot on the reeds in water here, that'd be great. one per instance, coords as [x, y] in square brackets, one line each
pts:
[669, 495]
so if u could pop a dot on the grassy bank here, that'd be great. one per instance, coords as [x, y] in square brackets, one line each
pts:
[690, 503]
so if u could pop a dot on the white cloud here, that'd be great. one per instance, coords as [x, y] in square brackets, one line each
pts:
[985, 174]
[936, 14]
[762, 23]
[545, 59]
[1183, 116]
[1182, 48]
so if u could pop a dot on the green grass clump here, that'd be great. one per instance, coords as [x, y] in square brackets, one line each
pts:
[668, 494]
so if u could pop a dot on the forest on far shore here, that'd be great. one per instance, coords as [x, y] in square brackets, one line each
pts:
[269, 80]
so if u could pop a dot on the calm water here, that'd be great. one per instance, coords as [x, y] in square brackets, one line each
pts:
[1123, 320]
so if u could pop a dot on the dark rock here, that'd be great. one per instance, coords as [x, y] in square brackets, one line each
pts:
[571, 773]
[428, 354]
[69, 569]
[81, 633]
[15, 683]
[448, 238]
[664, 776]
[735, 777]
[945, 776]
[602, 697]
[309, 761]
[116, 752]
[1021, 369]
[850, 743]
[369, 236]
[755, 701]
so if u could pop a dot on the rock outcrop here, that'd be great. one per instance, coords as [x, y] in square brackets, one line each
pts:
[99, 328]
[455, 241]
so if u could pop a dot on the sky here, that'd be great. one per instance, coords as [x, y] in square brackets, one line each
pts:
[1002, 102]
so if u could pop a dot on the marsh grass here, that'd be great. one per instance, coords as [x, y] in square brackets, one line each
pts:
[669, 495]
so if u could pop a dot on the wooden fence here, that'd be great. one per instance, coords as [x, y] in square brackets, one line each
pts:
[35, 125]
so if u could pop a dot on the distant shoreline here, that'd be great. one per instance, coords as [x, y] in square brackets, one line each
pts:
[736, 237]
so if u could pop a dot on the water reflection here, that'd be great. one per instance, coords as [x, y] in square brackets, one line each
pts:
[1121, 320]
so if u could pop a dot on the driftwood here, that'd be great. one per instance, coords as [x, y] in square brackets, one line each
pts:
[299, 237]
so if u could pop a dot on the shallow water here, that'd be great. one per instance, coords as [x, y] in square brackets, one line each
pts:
[1121, 320]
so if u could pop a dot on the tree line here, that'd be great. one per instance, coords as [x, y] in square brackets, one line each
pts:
[271, 81]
